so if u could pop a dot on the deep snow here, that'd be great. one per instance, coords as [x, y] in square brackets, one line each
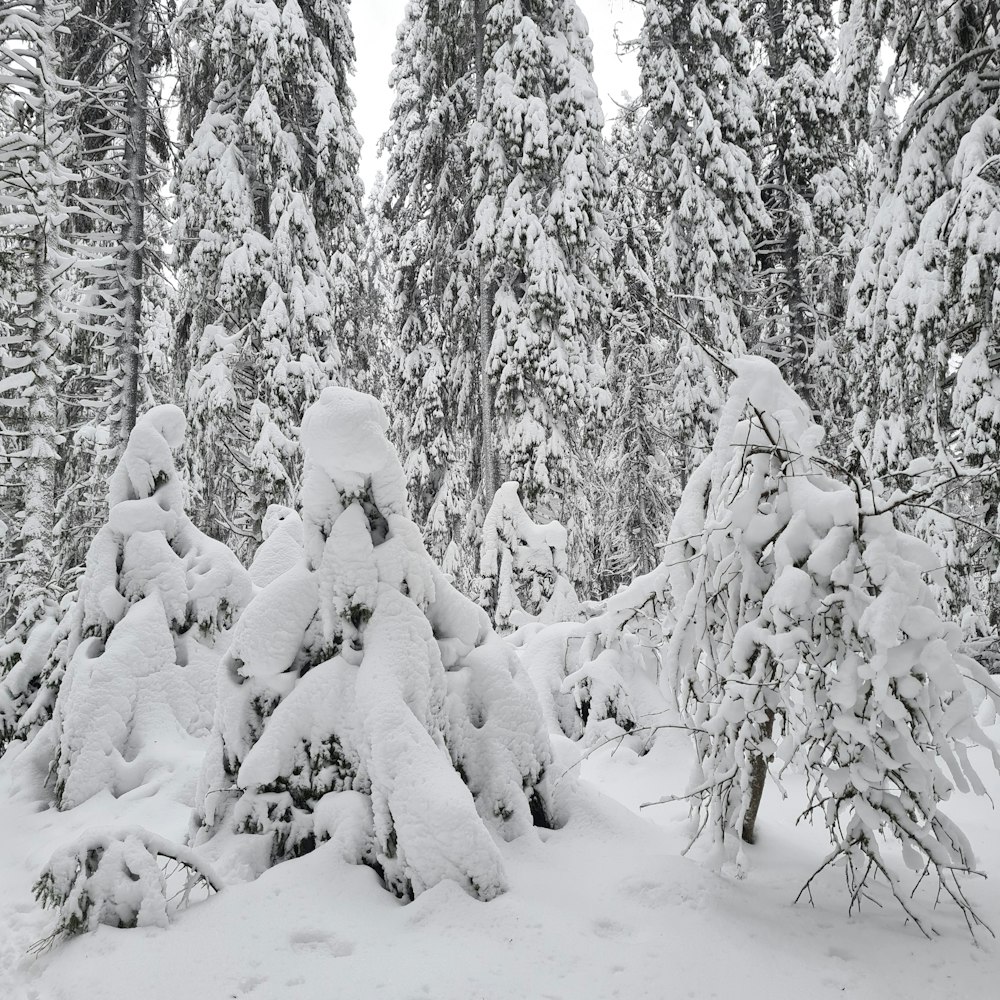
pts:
[603, 907]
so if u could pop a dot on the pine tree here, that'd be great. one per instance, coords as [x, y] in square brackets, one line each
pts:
[269, 238]
[541, 238]
[383, 710]
[701, 139]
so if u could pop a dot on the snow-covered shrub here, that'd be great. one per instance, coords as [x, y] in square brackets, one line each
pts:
[282, 545]
[363, 699]
[24, 657]
[154, 590]
[599, 678]
[806, 631]
[522, 566]
[115, 877]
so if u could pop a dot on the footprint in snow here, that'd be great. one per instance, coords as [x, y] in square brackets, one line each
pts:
[316, 941]
[609, 929]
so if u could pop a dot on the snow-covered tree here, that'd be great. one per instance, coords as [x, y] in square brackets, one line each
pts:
[364, 700]
[522, 566]
[115, 51]
[806, 631]
[117, 298]
[924, 296]
[269, 238]
[633, 492]
[701, 138]
[804, 186]
[425, 220]
[35, 143]
[495, 232]
[132, 657]
[116, 878]
[540, 236]
[599, 678]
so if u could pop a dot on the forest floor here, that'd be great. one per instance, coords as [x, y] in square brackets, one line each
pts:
[604, 907]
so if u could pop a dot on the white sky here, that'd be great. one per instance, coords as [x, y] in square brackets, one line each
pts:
[375, 23]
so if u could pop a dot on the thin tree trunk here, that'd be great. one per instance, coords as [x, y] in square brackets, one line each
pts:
[794, 355]
[134, 230]
[489, 471]
[37, 527]
[39, 490]
[758, 775]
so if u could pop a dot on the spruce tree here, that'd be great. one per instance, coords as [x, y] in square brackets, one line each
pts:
[923, 300]
[495, 227]
[425, 220]
[634, 489]
[541, 237]
[116, 52]
[269, 237]
[364, 700]
[702, 138]
[804, 188]
[130, 659]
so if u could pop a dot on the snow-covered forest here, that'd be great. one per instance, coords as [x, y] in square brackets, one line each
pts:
[566, 567]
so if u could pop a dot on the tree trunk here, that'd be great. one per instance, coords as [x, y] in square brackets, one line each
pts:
[487, 445]
[134, 229]
[36, 533]
[758, 775]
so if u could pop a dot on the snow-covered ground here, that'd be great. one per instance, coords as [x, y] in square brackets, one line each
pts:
[604, 907]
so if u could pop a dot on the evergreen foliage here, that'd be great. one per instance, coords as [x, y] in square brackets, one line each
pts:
[384, 714]
[702, 138]
[128, 650]
[269, 238]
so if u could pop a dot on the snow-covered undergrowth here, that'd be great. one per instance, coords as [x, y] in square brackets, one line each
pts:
[598, 679]
[603, 907]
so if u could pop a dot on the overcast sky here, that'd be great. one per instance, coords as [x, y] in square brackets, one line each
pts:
[375, 23]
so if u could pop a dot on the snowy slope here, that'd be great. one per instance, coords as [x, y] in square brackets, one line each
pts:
[604, 907]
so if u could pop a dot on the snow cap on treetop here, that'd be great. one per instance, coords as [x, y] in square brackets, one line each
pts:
[148, 461]
[343, 433]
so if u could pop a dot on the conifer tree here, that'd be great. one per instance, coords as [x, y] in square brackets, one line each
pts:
[128, 658]
[35, 145]
[923, 299]
[633, 496]
[269, 239]
[701, 138]
[540, 235]
[383, 714]
[495, 225]
[804, 187]
[426, 218]
[116, 52]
